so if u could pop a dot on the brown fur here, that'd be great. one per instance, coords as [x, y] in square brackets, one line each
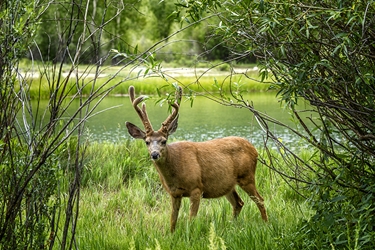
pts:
[209, 169]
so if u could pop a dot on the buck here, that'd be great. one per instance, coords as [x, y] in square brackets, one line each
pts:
[209, 169]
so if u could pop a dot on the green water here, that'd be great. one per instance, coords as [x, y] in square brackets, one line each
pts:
[205, 120]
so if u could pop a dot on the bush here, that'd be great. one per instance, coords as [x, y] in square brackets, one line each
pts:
[340, 221]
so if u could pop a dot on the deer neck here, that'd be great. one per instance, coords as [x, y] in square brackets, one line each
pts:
[165, 164]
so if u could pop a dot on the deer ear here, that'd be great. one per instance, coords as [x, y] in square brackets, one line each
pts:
[173, 126]
[135, 132]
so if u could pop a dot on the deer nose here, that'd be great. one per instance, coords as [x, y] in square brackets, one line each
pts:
[155, 155]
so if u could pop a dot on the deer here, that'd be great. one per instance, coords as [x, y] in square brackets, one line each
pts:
[208, 169]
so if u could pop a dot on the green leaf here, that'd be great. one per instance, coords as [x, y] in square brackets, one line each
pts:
[338, 198]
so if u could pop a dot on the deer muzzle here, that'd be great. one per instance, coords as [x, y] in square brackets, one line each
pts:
[155, 155]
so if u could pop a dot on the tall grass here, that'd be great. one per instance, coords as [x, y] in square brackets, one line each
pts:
[123, 206]
[122, 79]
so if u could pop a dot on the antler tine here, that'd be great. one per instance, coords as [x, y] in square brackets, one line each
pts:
[174, 114]
[132, 93]
[141, 112]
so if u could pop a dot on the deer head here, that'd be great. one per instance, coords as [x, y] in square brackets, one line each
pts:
[156, 141]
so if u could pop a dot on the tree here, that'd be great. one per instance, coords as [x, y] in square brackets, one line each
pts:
[323, 53]
[163, 12]
[52, 35]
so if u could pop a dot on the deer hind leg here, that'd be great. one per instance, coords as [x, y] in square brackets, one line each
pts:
[236, 202]
[195, 198]
[251, 190]
[176, 204]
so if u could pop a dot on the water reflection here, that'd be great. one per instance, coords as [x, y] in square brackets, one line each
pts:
[205, 120]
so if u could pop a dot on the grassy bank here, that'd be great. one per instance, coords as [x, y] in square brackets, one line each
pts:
[123, 206]
[41, 85]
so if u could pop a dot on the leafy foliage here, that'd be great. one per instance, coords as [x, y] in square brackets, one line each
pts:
[163, 11]
[52, 36]
[23, 221]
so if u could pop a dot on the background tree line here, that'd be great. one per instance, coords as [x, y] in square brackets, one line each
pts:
[129, 23]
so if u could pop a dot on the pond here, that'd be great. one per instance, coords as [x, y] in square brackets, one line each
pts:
[205, 120]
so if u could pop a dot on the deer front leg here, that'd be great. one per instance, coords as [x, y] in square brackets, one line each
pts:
[195, 198]
[176, 204]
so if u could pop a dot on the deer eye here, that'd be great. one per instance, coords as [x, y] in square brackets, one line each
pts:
[163, 142]
[147, 143]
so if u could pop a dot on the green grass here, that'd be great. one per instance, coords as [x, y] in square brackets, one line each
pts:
[42, 86]
[123, 206]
